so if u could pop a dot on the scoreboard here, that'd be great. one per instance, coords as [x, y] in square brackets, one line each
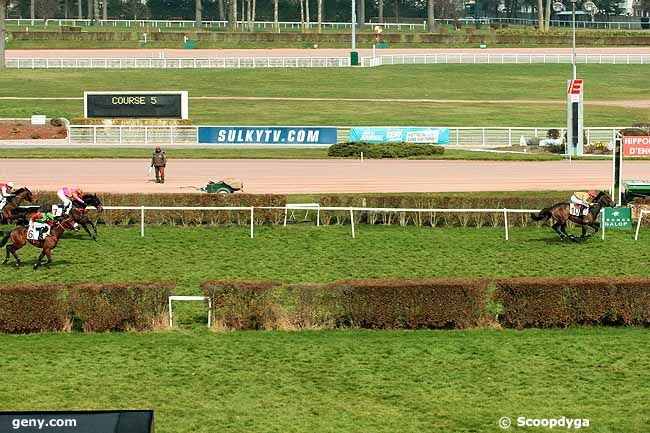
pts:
[171, 105]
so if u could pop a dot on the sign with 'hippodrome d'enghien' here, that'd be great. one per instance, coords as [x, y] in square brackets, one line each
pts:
[135, 104]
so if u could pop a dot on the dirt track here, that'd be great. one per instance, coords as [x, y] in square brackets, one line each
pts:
[319, 176]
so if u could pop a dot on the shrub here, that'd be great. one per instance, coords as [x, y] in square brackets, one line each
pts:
[33, 308]
[121, 306]
[411, 304]
[383, 150]
[562, 302]
[239, 304]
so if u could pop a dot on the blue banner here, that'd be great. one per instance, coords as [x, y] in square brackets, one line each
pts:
[400, 135]
[266, 135]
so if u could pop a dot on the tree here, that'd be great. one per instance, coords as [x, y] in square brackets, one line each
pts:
[96, 10]
[80, 10]
[381, 11]
[320, 15]
[431, 23]
[198, 7]
[32, 10]
[361, 13]
[3, 14]
[276, 22]
[222, 15]
[232, 16]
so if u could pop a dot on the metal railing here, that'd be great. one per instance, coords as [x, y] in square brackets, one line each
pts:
[632, 23]
[180, 63]
[490, 59]
[84, 135]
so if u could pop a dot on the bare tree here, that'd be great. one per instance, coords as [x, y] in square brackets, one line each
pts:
[361, 13]
[32, 10]
[96, 10]
[222, 15]
[547, 24]
[254, 14]
[540, 14]
[320, 15]
[65, 9]
[105, 10]
[232, 15]
[3, 14]
[380, 6]
[198, 9]
[307, 18]
[276, 22]
[431, 22]
[80, 11]
[89, 13]
[302, 14]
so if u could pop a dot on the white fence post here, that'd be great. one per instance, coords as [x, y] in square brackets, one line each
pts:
[638, 224]
[602, 223]
[352, 222]
[505, 221]
[252, 220]
[142, 222]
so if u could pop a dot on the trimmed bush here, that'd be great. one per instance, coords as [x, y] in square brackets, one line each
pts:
[238, 304]
[410, 304]
[563, 302]
[33, 308]
[383, 150]
[185, 218]
[121, 306]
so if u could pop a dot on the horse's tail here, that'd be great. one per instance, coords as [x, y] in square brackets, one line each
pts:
[544, 214]
[5, 239]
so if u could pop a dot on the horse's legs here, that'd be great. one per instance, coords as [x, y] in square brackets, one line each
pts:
[93, 226]
[584, 231]
[557, 229]
[85, 227]
[12, 249]
[567, 234]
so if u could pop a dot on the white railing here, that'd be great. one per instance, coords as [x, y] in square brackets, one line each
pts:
[98, 135]
[638, 224]
[491, 59]
[618, 24]
[179, 63]
[318, 208]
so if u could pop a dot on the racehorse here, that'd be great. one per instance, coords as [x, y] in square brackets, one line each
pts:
[78, 212]
[12, 212]
[560, 214]
[19, 238]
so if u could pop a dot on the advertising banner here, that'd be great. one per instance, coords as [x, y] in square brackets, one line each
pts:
[136, 105]
[636, 146]
[618, 218]
[276, 135]
[122, 421]
[397, 135]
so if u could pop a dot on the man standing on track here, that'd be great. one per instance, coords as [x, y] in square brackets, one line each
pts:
[159, 162]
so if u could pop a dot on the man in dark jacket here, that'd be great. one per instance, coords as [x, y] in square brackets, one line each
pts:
[158, 162]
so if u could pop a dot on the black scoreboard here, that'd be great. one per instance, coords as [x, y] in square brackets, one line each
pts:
[172, 105]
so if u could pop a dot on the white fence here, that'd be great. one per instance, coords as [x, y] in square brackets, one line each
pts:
[85, 135]
[179, 63]
[491, 59]
[638, 224]
[617, 24]
[318, 208]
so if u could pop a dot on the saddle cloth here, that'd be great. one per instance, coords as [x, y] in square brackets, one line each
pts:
[32, 232]
[57, 210]
[575, 209]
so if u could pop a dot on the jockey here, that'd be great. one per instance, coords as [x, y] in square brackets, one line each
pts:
[584, 199]
[6, 192]
[41, 222]
[68, 194]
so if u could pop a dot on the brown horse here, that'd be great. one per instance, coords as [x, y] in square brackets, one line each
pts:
[560, 214]
[12, 211]
[80, 216]
[19, 238]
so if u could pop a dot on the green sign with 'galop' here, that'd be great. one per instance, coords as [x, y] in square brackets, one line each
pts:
[618, 218]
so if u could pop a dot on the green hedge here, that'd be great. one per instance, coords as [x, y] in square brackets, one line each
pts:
[562, 302]
[199, 217]
[33, 308]
[121, 306]
[383, 150]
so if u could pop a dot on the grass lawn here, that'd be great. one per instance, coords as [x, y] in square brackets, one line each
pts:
[304, 253]
[410, 83]
[338, 381]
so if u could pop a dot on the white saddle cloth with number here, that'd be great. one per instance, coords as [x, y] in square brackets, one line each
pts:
[33, 232]
[578, 210]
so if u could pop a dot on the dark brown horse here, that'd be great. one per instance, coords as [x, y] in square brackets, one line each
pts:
[80, 214]
[560, 214]
[12, 212]
[19, 238]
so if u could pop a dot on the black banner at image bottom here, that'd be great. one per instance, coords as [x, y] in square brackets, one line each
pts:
[126, 421]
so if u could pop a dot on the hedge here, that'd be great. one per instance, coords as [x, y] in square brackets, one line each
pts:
[238, 304]
[563, 302]
[383, 150]
[435, 201]
[33, 308]
[117, 217]
[121, 306]
[411, 304]
[377, 304]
